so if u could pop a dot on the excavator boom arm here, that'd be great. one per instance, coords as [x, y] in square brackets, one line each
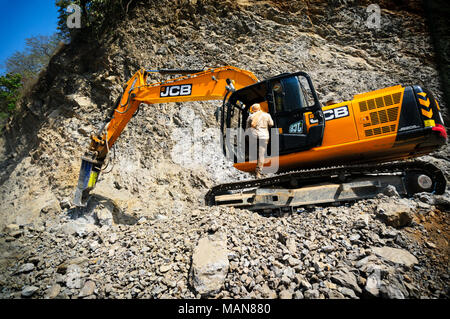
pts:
[202, 86]
[210, 84]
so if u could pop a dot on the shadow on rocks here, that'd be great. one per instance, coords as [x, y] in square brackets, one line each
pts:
[288, 211]
[98, 206]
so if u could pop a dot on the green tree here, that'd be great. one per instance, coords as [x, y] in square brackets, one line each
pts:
[35, 57]
[95, 14]
[10, 85]
[63, 14]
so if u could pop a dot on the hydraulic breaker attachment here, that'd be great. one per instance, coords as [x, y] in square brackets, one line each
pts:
[87, 179]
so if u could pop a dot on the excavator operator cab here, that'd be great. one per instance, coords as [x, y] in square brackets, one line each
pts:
[287, 98]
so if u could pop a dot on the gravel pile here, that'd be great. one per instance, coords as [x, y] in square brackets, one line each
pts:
[320, 252]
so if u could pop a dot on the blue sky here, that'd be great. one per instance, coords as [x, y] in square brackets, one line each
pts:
[23, 19]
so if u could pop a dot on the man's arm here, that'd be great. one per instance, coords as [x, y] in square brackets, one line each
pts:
[270, 120]
[249, 121]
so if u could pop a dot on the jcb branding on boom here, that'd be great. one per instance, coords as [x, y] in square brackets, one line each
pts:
[176, 90]
[333, 114]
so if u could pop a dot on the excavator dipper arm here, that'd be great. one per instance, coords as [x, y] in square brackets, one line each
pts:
[210, 84]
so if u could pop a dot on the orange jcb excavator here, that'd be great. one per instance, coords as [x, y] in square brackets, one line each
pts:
[344, 151]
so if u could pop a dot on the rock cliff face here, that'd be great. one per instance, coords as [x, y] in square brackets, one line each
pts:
[139, 232]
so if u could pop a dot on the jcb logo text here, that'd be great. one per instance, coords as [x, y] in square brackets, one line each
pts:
[176, 90]
[333, 114]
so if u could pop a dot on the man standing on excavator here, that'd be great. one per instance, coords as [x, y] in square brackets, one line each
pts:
[259, 123]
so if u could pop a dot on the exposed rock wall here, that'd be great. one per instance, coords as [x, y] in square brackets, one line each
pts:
[137, 236]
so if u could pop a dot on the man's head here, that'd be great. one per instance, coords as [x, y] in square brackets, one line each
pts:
[277, 87]
[256, 107]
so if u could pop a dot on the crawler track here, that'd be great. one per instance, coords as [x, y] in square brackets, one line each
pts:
[310, 176]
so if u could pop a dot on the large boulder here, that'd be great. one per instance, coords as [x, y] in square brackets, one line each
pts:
[104, 217]
[395, 255]
[396, 214]
[77, 227]
[210, 264]
[373, 284]
[347, 279]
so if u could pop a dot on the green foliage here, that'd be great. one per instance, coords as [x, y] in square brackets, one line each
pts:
[95, 15]
[10, 85]
[62, 5]
[22, 69]
[35, 57]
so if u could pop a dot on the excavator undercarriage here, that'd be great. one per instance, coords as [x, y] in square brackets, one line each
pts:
[288, 191]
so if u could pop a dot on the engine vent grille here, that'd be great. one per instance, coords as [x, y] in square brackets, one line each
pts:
[379, 102]
[397, 97]
[379, 130]
[363, 106]
[383, 114]
[392, 114]
[388, 100]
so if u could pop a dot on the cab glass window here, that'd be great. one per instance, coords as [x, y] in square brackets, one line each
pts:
[291, 94]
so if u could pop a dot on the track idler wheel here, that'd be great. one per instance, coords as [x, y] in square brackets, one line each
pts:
[417, 182]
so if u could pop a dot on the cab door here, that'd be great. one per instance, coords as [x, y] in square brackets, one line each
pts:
[289, 105]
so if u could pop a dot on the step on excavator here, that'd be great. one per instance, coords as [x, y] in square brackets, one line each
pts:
[317, 154]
